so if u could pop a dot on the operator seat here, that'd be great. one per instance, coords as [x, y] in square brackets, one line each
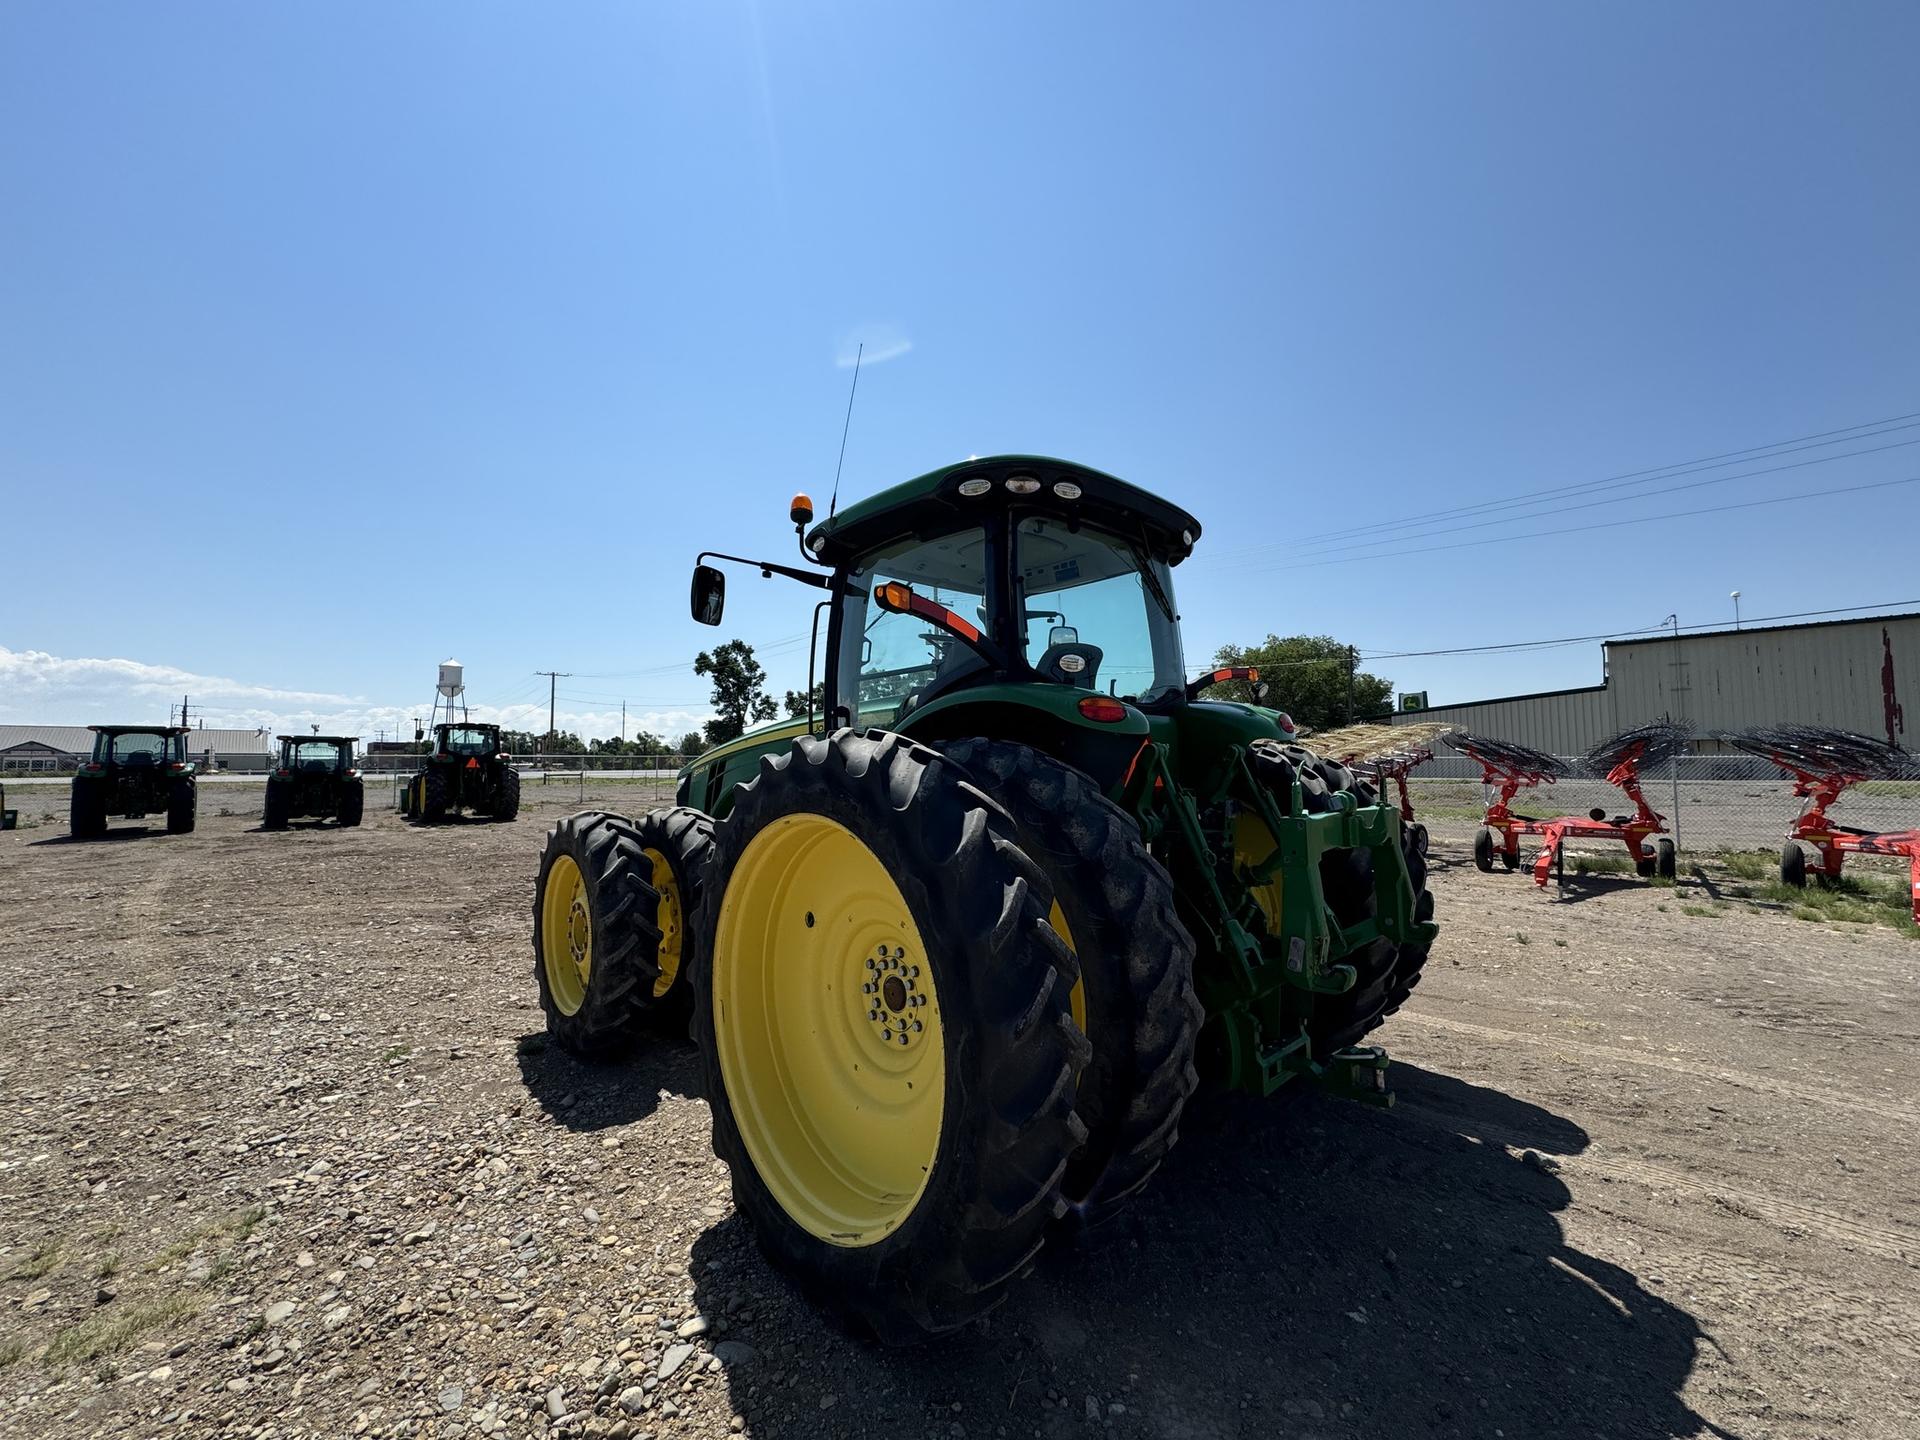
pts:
[1048, 665]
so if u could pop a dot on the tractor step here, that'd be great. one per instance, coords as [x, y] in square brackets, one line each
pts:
[1358, 1072]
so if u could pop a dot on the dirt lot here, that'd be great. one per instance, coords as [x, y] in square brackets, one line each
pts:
[282, 1153]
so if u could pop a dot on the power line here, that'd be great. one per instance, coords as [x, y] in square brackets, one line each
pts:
[1596, 525]
[1610, 500]
[1627, 477]
[1624, 634]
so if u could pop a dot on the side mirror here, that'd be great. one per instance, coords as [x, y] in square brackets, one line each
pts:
[1063, 635]
[709, 594]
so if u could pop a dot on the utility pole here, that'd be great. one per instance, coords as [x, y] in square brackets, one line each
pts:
[623, 724]
[554, 677]
[1353, 661]
[183, 712]
[1674, 685]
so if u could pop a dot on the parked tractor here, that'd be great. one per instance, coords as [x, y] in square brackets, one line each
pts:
[135, 771]
[467, 769]
[315, 777]
[959, 946]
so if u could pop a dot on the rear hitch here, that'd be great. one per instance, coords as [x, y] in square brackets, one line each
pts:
[1357, 1073]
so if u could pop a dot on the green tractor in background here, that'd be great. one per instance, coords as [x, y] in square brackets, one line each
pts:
[315, 777]
[959, 948]
[467, 769]
[135, 771]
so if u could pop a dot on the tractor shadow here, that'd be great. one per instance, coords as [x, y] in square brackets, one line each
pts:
[589, 1097]
[1299, 1268]
[106, 837]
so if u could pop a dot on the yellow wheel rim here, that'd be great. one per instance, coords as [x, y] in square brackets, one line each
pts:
[670, 916]
[1076, 997]
[827, 1026]
[566, 935]
[1253, 844]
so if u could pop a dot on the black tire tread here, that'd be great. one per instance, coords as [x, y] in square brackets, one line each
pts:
[623, 902]
[183, 805]
[1130, 939]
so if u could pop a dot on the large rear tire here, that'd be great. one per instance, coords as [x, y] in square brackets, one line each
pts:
[279, 804]
[1135, 1000]
[433, 794]
[882, 1008]
[506, 800]
[182, 806]
[595, 937]
[1385, 972]
[353, 802]
[87, 809]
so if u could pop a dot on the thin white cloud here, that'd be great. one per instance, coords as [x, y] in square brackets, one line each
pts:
[883, 343]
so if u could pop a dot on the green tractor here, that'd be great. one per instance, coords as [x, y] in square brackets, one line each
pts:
[315, 777]
[467, 769]
[135, 771]
[959, 947]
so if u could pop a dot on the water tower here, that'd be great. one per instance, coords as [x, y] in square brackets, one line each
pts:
[451, 691]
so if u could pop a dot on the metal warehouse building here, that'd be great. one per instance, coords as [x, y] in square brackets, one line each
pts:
[1846, 673]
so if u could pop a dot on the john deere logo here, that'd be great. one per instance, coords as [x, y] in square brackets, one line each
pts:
[1412, 701]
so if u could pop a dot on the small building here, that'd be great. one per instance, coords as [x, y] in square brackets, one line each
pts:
[1850, 674]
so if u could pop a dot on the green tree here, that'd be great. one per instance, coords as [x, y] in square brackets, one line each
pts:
[692, 743]
[739, 689]
[1307, 676]
[802, 703]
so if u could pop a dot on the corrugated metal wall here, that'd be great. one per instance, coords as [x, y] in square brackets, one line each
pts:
[1724, 680]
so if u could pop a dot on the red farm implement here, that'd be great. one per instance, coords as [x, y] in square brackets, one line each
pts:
[1384, 754]
[1824, 763]
[1513, 767]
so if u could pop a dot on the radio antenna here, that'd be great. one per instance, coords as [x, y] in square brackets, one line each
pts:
[834, 503]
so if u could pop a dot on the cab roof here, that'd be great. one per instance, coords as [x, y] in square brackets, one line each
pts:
[329, 739]
[140, 729]
[934, 502]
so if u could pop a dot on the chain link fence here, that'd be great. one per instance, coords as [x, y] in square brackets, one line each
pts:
[1712, 803]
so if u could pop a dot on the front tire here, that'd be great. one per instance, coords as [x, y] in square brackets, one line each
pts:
[1385, 972]
[1483, 850]
[595, 940]
[182, 806]
[882, 1010]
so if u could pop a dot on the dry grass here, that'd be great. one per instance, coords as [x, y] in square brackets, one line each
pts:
[109, 1331]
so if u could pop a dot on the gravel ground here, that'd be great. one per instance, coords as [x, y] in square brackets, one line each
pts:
[283, 1153]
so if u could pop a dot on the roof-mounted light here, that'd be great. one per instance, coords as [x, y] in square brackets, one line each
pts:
[1066, 489]
[1022, 484]
[978, 485]
[1186, 538]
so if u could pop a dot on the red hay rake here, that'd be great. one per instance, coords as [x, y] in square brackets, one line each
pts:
[1513, 767]
[1823, 763]
[1383, 754]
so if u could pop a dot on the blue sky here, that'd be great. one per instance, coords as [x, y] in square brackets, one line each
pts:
[338, 339]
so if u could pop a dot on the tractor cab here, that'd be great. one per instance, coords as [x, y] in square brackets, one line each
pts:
[1014, 594]
[316, 754]
[137, 747]
[466, 741]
